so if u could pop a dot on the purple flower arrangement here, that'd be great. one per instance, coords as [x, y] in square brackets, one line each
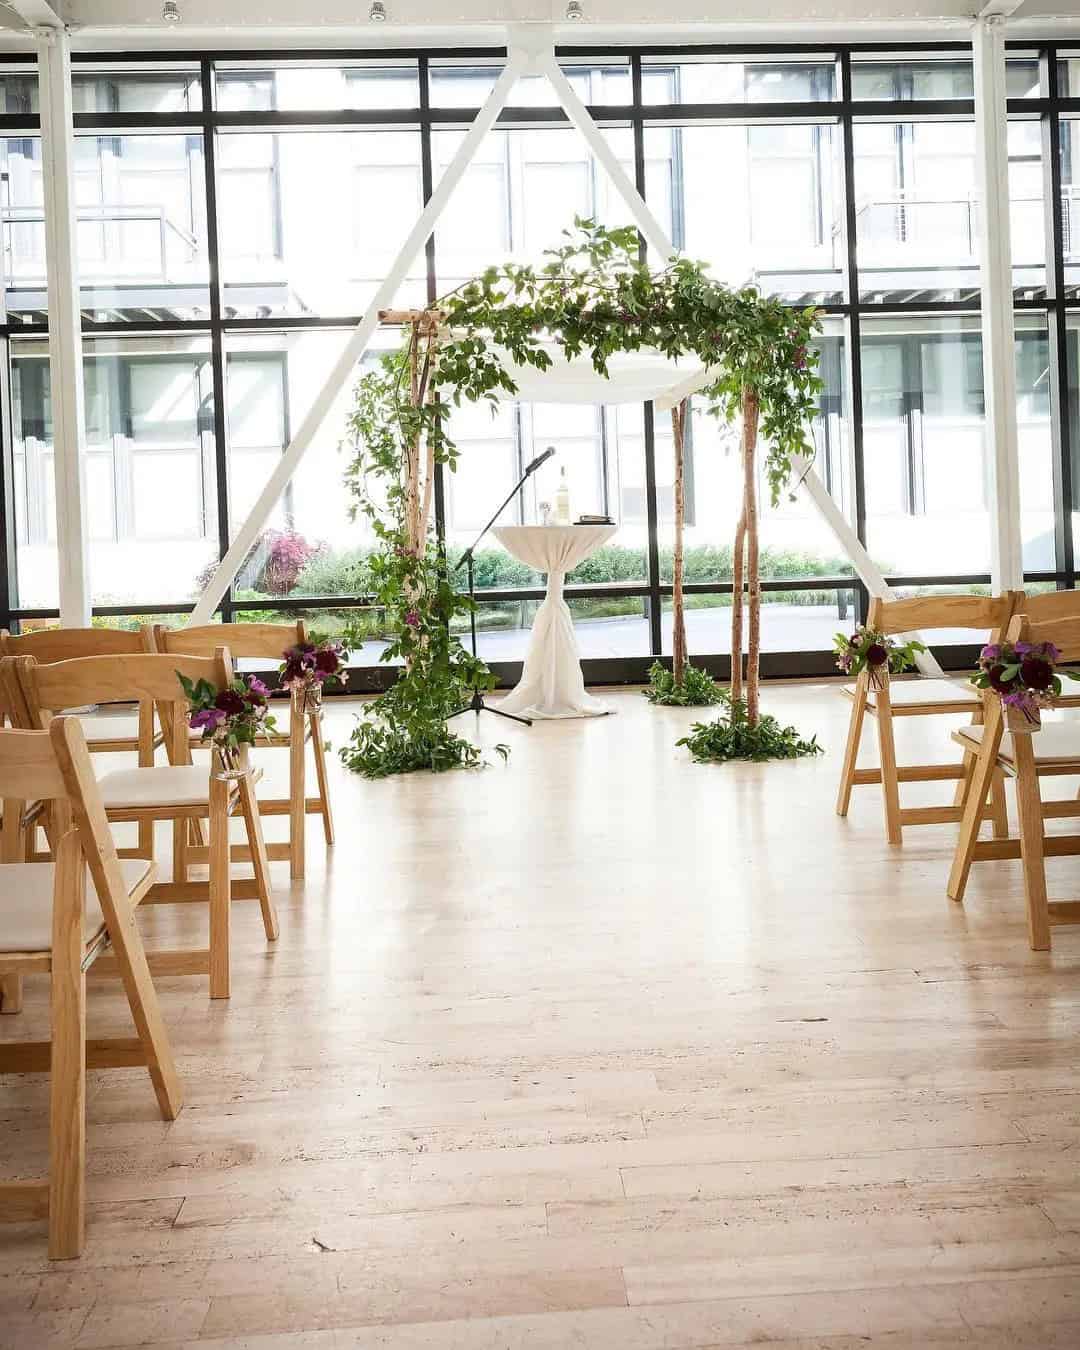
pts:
[311, 665]
[1024, 675]
[231, 717]
[866, 649]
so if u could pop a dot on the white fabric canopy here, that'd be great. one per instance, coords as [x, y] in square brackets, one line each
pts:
[633, 377]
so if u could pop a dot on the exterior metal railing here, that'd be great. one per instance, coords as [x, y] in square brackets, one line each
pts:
[894, 219]
[28, 263]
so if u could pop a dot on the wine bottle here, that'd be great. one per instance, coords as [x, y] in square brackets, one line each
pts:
[562, 500]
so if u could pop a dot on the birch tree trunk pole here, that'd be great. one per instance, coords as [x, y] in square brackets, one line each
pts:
[737, 583]
[412, 452]
[678, 614]
[751, 408]
[429, 456]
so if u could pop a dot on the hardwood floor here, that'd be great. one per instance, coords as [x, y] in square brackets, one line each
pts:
[596, 1048]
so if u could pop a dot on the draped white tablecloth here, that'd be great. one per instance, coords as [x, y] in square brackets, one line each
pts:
[551, 684]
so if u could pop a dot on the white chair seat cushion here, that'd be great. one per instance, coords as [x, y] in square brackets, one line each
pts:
[26, 903]
[162, 785]
[924, 691]
[97, 729]
[1056, 743]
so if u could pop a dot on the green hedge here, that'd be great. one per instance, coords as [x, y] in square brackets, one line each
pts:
[345, 573]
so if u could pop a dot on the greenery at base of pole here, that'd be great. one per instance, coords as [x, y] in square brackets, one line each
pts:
[734, 736]
[405, 729]
[697, 690]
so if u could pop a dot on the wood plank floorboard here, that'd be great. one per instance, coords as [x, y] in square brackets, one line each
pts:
[597, 1048]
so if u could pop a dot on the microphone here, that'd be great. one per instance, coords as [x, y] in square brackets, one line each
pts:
[540, 459]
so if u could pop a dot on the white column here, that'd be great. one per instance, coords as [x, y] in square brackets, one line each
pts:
[356, 346]
[998, 339]
[65, 330]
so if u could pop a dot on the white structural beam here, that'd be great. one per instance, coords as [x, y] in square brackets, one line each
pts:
[995, 268]
[65, 327]
[37, 13]
[867, 570]
[646, 222]
[356, 346]
[999, 9]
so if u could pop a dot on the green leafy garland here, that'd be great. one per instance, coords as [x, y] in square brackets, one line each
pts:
[593, 295]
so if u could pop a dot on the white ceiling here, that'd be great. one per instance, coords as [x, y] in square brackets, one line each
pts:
[119, 24]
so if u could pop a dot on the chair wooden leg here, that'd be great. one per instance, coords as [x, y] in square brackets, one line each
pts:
[318, 746]
[220, 890]
[257, 844]
[11, 994]
[146, 1013]
[1029, 811]
[963, 785]
[179, 850]
[890, 786]
[67, 1068]
[851, 750]
[979, 790]
[146, 838]
[999, 806]
[297, 789]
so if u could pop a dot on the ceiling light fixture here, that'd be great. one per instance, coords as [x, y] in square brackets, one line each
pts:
[574, 11]
[170, 11]
[377, 12]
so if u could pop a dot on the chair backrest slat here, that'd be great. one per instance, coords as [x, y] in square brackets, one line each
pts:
[259, 641]
[68, 644]
[1050, 606]
[28, 767]
[924, 613]
[1064, 633]
[108, 679]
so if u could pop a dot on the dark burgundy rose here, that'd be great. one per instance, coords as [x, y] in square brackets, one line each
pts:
[994, 676]
[327, 661]
[1036, 673]
[294, 669]
[230, 702]
[876, 654]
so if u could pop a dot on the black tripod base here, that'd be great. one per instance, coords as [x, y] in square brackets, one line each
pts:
[476, 704]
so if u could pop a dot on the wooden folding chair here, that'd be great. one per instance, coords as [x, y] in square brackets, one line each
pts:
[921, 697]
[267, 642]
[113, 733]
[1026, 757]
[180, 791]
[49, 924]
[16, 831]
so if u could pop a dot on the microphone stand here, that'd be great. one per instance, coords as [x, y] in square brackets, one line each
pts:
[476, 703]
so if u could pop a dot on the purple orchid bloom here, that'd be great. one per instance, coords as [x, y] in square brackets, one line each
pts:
[209, 719]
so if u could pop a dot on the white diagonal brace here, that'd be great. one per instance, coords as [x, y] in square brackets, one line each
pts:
[356, 346]
[37, 13]
[647, 223]
[868, 571]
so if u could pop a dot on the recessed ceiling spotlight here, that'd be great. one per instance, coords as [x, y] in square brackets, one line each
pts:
[574, 11]
[377, 12]
[170, 11]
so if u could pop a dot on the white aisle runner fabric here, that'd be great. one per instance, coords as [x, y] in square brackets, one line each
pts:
[551, 684]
